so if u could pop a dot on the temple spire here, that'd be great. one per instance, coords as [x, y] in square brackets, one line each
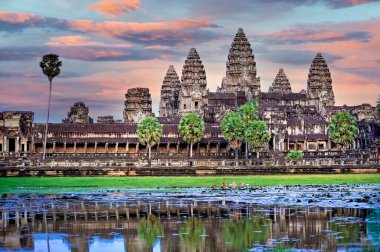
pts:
[193, 93]
[169, 93]
[241, 67]
[281, 83]
[319, 83]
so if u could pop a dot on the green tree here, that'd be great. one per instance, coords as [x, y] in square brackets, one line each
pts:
[191, 127]
[342, 128]
[233, 130]
[257, 135]
[149, 131]
[50, 66]
[248, 115]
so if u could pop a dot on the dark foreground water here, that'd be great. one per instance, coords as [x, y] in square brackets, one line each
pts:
[304, 218]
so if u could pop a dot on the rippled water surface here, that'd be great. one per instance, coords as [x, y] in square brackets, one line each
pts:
[303, 218]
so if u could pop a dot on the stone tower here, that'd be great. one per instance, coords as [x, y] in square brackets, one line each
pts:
[137, 105]
[319, 87]
[281, 83]
[169, 99]
[241, 67]
[78, 114]
[193, 95]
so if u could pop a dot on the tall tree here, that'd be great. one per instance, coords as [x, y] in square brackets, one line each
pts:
[191, 127]
[257, 135]
[248, 115]
[149, 131]
[342, 128]
[50, 66]
[233, 130]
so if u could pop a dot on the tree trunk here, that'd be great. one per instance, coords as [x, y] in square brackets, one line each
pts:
[149, 155]
[47, 122]
[191, 150]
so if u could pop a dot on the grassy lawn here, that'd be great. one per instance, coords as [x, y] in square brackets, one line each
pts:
[67, 184]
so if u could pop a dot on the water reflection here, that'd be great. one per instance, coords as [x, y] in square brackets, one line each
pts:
[58, 223]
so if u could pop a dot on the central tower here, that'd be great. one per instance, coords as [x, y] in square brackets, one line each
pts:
[193, 95]
[241, 68]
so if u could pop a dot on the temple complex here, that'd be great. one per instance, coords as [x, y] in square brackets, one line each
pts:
[296, 120]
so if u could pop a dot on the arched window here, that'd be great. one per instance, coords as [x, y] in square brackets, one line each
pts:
[196, 105]
[184, 106]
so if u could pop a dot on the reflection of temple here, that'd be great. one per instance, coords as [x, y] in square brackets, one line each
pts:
[180, 226]
[296, 120]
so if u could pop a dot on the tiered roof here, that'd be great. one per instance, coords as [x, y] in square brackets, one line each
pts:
[281, 83]
[193, 72]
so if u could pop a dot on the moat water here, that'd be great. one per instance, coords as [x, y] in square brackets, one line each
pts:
[297, 218]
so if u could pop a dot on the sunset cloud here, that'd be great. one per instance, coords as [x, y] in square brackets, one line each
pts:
[114, 8]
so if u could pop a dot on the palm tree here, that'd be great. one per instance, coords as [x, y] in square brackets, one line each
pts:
[149, 131]
[50, 66]
[191, 128]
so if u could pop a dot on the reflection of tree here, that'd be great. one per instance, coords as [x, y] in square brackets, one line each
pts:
[148, 230]
[348, 232]
[240, 234]
[191, 231]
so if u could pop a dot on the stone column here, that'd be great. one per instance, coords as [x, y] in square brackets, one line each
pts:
[218, 148]
[274, 142]
[85, 147]
[117, 147]
[137, 148]
[54, 143]
[208, 148]
[106, 147]
[64, 147]
[127, 147]
[5, 145]
[305, 145]
[75, 147]
[317, 147]
[329, 144]
[96, 147]
[178, 147]
[17, 147]
[167, 148]
[199, 148]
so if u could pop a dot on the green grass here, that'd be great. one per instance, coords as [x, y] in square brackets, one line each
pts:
[75, 184]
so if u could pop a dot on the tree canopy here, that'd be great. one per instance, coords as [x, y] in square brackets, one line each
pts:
[191, 128]
[257, 134]
[342, 128]
[233, 129]
[50, 65]
[149, 131]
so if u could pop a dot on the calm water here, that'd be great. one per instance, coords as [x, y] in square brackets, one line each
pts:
[143, 220]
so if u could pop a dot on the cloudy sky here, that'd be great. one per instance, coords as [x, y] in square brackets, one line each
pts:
[108, 46]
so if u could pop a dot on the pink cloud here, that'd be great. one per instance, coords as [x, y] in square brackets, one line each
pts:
[79, 40]
[18, 18]
[114, 8]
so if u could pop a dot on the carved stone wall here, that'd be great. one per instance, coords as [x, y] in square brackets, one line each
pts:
[137, 105]
[78, 114]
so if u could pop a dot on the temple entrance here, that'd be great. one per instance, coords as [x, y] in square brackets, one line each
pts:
[12, 145]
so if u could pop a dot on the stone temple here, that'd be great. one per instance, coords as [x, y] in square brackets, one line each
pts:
[296, 120]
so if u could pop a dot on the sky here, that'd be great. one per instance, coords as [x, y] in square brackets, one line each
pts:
[109, 46]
